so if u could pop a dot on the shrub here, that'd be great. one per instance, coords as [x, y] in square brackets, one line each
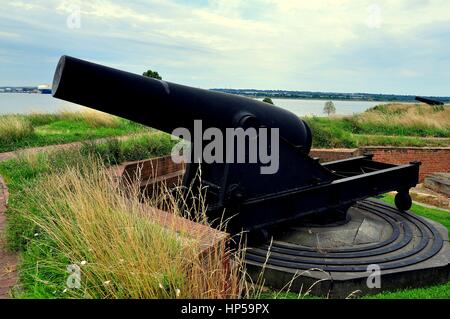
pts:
[268, 100]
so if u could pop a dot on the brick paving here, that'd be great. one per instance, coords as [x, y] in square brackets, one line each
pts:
[8, 260]
[8, 155]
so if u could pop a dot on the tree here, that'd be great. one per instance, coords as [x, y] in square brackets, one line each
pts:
[152, 74]
[329, 108]
[268, 100]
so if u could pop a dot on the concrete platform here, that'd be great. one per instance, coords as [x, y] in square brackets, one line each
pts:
[410, 251]
[439, 182]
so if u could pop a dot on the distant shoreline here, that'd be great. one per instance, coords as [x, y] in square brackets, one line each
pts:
[276, 97]
[324, 99]
[285, 94]
[333, 96]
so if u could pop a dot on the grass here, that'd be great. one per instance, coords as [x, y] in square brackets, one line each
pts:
[66, 209]
[41, 129]
[14, 129]
[384, 125]
[434, 292]
[115, 151]
[83, 218]
[23, 172]
[406, 119]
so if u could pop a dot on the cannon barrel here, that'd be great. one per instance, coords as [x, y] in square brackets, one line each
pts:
[429, 101]
[169, 105]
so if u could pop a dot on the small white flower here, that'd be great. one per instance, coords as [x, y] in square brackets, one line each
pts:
[36, 234]
[178, 292]
[65, 290]
[107, 282]
[84, 262]
[161, 286]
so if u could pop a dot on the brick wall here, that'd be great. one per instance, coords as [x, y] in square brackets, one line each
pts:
[152, 168]
[333, 154]
[434, 159]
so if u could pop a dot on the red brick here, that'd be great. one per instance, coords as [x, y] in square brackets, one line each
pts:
[434, 159]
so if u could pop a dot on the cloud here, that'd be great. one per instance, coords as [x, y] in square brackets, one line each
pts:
[329, 45]
[5, 34]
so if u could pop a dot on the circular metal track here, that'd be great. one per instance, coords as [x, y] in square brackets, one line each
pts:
[377, 234]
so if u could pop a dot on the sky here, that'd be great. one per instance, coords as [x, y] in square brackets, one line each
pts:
[391, 46]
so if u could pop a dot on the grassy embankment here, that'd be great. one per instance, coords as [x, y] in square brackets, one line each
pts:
[66, 209]
[41, 129]
[384, 125]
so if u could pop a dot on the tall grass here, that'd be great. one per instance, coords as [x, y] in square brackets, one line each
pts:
[14, 128]
[392, 125]
[28, 168]
[329, 136]
[62, 127]
[413, 119]
[82, 217]
[66, 208]
[91, 117]
[115, 151]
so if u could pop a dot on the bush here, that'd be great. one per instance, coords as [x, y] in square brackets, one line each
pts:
[267, 100]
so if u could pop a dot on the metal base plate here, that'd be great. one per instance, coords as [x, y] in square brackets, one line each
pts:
[409, 250]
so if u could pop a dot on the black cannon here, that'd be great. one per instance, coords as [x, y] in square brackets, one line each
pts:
[428, 101]
[254, 202]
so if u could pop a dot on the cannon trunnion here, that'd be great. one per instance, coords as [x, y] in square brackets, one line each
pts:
[254, 202]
